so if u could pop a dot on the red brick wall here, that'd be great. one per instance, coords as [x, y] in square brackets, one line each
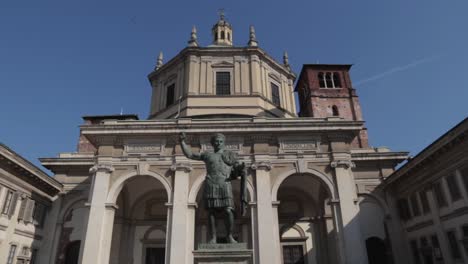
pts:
[315, 101]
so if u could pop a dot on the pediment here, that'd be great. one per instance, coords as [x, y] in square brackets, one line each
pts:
[274, 77]
[223, 64]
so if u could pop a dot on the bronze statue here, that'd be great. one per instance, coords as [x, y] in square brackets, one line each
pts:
[222, 166]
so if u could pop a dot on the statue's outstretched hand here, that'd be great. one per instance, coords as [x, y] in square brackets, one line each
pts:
[182, 136]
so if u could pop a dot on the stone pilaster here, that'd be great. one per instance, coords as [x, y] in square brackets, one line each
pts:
[179, 241]
[355, 250]
[267, 216]
[97, 235]
[51, 229]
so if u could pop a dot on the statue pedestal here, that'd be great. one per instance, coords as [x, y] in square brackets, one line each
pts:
[223, 254]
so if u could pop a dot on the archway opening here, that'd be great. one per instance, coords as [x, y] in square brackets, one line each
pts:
[72, 252]
[73, 219]
[373, 229]
[376, 251]
[140, 231]
[307, 232]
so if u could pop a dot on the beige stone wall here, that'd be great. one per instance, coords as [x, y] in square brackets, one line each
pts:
[194, 77]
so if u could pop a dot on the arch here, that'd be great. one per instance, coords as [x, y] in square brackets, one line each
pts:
[330, 187]
[155, 227]
[119, 183]
[222, 34]
[336, 80]
[68, 207]
[295, 227]
[335, 111]
[139, 200]
[196, 186]
[378, 200]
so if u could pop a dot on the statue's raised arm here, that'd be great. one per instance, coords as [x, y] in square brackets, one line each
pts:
[186, 149]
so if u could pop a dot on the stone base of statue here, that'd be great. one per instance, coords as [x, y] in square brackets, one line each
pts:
[223, 254]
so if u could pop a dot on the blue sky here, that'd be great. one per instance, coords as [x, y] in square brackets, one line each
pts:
[60, 60]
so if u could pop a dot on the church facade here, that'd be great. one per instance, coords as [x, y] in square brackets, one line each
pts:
[130, 195]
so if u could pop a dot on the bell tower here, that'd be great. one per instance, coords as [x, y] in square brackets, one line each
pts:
[222, 31]
[325, 90]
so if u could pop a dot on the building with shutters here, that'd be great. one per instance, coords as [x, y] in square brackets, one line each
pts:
[131, 196]
[26, 193]
[429, 196]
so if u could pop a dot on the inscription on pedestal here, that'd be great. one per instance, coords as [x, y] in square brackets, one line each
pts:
[235, 253]
[233, 246]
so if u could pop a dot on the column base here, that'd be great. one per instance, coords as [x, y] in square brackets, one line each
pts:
[223, 254]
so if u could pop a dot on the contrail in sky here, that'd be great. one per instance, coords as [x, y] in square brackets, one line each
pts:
[397, 69]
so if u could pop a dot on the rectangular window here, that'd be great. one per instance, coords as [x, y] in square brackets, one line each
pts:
[415, 251]
[403, 209]
[415, 205]
[454, 190]
[293, 254]
[425, 203]
[436, 247]
[275, 95]
[439, 194]
[170, 94]
[453, 243]
[11, 254]
[6, 205]
[223, 83]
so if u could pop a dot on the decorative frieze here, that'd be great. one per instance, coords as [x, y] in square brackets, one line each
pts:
[233, 144]
[144, 146]
[298, 145]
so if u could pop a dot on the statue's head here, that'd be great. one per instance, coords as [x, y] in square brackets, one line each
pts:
[217, 141]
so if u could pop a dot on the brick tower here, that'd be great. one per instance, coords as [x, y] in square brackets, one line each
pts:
[325, 90]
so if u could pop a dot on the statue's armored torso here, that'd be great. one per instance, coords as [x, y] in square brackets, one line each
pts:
[218, 189]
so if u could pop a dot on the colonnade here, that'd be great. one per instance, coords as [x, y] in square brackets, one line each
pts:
[180, 235]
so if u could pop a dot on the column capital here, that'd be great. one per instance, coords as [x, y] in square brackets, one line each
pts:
[101, 167]
[261, 165]
[186, 167]
[347, 164]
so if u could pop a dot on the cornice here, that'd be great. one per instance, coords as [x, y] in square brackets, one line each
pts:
[452, 139]
[225, 51]
[29, 171]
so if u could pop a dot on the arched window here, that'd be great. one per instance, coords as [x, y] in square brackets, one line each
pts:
[321, 79]
[216, 35]
[336, 80]
[328, 80]
[335, 111]
[222, 35]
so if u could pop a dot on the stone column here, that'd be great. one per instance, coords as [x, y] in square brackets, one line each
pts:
[267, 219]
[179, 244]
[97, 236]
[355, 250]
